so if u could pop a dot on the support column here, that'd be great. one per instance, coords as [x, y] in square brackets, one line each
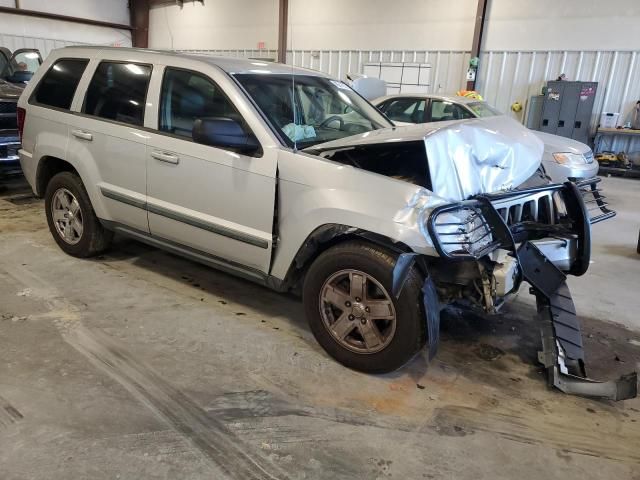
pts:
[477, 37]
[283, 20]
[139, 11]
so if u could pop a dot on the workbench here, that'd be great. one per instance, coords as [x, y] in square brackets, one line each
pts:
[633, 172]
[612, 132]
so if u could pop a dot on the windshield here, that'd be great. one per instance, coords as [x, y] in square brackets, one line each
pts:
[483, 109]
[325, 109]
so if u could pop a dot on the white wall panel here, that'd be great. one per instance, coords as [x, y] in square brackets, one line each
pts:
[218, 24]
[114, 11]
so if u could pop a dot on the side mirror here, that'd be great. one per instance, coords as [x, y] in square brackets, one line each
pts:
[224, 133]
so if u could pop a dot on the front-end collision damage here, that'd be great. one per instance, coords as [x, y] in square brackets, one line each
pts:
[484, 234]
[430, 300]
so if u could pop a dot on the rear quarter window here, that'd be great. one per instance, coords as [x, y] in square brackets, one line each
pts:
[58, 85]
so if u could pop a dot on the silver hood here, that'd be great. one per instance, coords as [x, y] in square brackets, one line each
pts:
[467, 157]
[556, 143]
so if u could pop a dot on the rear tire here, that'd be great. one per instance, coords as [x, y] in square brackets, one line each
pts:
[71, 218]
[333, 308]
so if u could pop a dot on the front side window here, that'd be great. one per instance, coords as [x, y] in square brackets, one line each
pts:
[58, 86]
[408, 110]
[306, 110]
[187, 96]
[483, 109]
[118, 92]
[442, 111]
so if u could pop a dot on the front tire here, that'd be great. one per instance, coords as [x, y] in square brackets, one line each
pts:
[352, 314]
[71, 218]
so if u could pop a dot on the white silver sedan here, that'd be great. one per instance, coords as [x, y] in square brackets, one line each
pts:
[563, 158]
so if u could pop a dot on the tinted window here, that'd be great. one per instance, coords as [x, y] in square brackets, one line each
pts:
[117, 92]
[59, 84]
[408, 110]
[442, 111]
[187, 96]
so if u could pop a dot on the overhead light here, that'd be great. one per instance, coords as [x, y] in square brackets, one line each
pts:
[135, 69]
[133, 102]
[258, 70]
[31, 55]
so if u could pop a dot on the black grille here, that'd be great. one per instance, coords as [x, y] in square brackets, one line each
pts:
[8, 107]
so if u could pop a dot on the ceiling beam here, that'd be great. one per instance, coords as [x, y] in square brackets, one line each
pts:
[63, 18]
[283, 21]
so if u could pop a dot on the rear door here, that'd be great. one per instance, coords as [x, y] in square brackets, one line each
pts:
[215, 201]
[107, 137]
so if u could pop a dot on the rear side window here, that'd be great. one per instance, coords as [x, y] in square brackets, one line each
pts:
[187, 96]
[58, 86]
[118, 92]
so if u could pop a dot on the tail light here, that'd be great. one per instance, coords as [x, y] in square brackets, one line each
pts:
[21, 116]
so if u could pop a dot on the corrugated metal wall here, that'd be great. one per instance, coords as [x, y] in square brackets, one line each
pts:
[504, 77]
[45, 45]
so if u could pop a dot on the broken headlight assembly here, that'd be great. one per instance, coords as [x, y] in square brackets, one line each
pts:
[461, 231]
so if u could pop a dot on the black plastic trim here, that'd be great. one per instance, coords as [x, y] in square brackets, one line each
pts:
[179, 217]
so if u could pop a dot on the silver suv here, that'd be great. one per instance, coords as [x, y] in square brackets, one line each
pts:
[290, 179]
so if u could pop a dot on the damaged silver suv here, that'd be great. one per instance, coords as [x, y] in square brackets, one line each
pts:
[289, 178]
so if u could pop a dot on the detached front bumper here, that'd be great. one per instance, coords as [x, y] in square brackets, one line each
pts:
[550, 238]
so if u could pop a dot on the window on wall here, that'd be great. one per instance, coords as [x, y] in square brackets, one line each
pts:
[58, 86]
[442, 111]
[118, 92]
[188, 95]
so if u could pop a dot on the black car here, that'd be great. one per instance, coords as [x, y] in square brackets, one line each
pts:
[16, 69]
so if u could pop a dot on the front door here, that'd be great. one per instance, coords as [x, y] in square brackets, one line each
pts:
[215, 201]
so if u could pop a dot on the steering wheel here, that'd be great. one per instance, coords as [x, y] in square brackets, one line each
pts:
[333, 118]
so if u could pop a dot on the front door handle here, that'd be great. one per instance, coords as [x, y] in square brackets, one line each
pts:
[82, 134]
[165, 157]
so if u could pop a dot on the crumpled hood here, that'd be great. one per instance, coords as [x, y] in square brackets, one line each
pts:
[465, 158]
[10, 90]
[482, 155]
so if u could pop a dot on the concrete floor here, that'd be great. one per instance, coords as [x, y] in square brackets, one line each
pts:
[141, 365]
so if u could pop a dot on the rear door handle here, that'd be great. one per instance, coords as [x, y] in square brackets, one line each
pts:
[165, 157]
[82, 134]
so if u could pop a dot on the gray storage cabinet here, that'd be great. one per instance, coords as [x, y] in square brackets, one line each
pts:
[567, 109]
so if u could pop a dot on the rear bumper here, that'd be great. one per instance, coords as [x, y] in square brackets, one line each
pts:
[28, 168]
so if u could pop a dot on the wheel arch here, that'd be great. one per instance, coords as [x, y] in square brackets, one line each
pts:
[48, 167]
[328, 235]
